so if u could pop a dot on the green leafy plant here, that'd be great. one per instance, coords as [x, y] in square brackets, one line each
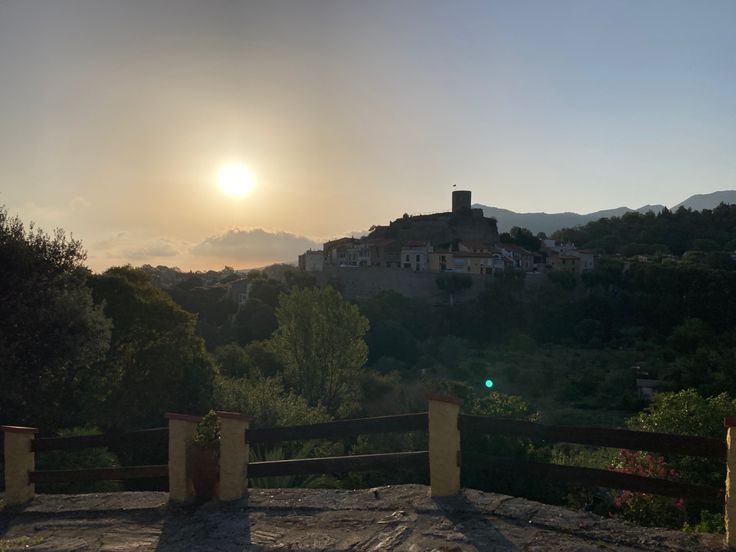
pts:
[710, 522]
[208, 429]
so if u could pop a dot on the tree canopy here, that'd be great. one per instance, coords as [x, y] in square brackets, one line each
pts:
[320, 340]
[156, 362]
[667, 232]
[52, 335]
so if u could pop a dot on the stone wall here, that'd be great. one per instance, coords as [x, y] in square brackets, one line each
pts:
[361, 283]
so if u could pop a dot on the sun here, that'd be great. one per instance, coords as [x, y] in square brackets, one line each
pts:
[236, 180]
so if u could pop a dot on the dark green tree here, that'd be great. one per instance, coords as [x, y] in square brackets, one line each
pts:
[156, 362]
[51, 333]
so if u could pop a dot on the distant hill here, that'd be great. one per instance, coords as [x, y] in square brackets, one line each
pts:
[699, 202]
[549, 222]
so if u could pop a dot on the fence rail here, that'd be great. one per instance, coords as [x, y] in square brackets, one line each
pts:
[601, 437]
[99, 474]
[341, 464]
[591, 477]
[338, 430]
[112, 439]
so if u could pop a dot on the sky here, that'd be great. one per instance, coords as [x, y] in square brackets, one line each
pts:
[117, 116]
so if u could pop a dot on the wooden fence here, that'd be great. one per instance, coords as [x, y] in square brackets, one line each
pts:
[663, 443]
[338, 430]
[442, 461]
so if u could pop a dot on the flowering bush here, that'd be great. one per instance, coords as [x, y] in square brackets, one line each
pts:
[642, 508]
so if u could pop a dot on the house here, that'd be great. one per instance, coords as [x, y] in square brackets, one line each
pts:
[312, 261]
[239, 291]
[469, 246]
[523, 259]
[357, 254]
[336, 252]
[564, 263]
[465, 262]
[587, 259]
[384, 252]
[415, 255]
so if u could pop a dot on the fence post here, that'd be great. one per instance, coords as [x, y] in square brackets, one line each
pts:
[20, 461]
[730, 510]
[233, 455]
[444, 445]
[182, 428]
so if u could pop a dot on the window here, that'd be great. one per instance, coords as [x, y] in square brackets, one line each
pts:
[407, 258]
[418, 256]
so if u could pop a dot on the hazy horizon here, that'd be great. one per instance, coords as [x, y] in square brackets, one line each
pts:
[117, 117]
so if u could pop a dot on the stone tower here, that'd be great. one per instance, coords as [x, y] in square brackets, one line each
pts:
[461, 202]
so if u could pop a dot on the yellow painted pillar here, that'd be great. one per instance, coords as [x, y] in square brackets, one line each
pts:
[730, 511]
[444, 445]
[233, 455]
[181, 432]
[20, 461]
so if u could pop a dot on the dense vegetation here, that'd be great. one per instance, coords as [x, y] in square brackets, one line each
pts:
[665, 233]
[113, 350]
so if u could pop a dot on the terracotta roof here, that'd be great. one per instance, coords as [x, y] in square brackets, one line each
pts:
[475, 244]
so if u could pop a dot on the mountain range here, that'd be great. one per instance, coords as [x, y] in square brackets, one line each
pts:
[549, 222]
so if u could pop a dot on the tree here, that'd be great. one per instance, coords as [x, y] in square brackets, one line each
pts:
[255, 321]
[156, 361]
[320, 340]
[51, 332]
[453, 283]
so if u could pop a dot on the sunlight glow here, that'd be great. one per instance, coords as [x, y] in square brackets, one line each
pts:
[236, 180]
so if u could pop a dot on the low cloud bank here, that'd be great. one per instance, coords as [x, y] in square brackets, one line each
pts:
[255, 244]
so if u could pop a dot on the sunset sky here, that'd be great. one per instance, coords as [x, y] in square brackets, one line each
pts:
[116, 117]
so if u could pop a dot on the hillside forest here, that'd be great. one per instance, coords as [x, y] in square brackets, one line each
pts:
[83, 352]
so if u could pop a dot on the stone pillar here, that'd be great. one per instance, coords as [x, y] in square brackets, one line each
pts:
[182, 429]
[20, 461]
[730, 511]
[444, 445]
[233, 455]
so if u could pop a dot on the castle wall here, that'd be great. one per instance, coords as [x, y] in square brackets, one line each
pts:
[444, 228]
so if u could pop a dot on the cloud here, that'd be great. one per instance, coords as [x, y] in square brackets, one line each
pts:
[123, 247]
[158, 248]
[256, 244]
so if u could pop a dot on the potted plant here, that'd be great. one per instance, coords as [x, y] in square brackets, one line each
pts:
[203, 458]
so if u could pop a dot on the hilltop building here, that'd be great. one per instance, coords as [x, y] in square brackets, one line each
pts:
[409, 241]
[462, 240]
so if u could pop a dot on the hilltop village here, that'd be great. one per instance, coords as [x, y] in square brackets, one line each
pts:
[462, 240]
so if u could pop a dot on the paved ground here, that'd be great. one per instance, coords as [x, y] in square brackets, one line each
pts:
[388, 518]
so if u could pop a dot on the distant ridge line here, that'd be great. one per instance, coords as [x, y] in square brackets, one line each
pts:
[550, 222]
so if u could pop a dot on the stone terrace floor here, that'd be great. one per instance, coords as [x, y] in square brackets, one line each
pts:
[309, 520]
